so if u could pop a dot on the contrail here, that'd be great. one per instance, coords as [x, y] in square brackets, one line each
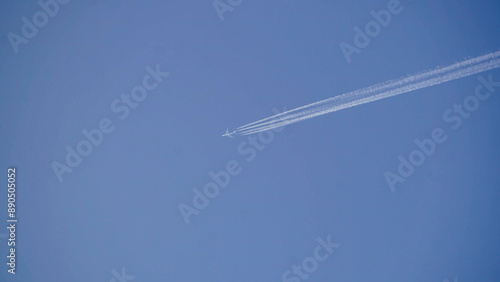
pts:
[375, 92]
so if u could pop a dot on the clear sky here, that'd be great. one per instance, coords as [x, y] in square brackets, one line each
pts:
[129, 202]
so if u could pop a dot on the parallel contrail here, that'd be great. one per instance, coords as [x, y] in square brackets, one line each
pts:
[375, 92]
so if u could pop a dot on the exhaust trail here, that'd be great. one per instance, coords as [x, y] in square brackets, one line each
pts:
[376, 92]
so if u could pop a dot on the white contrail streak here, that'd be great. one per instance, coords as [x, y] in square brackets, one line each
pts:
[376, 92]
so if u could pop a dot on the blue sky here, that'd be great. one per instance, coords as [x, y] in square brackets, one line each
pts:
[318, 178]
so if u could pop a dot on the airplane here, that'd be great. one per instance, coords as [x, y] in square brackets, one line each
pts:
[229, 135]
